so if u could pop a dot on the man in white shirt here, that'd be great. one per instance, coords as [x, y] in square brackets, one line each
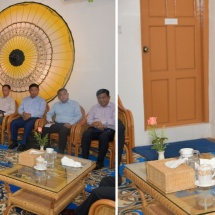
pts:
[67, 112]
[7, 103]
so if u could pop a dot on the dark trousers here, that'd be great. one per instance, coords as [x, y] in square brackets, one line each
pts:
[104, 138]
[106, 190]
[1, 119]
[62, 131]
[121, 140]
[28, 125]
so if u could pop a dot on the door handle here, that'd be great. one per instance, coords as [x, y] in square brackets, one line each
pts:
[145, 49]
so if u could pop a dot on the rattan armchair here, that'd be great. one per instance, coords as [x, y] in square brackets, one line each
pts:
[4, 125]
[126, 118]
[102, 207]
[38, 123]
[80, 129]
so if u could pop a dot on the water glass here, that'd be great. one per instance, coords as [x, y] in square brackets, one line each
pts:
[50, 157]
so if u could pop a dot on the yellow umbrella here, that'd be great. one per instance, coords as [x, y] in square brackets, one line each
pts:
[36, 46]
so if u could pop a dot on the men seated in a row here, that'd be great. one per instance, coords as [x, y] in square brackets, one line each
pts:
[7, 103]
[101, 119]
[67, 112]
[32, 108]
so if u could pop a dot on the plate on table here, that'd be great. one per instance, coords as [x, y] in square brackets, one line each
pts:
[205, 185]
[44, 168]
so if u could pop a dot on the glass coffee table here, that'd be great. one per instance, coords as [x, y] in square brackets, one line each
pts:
[45, 192]
[199, 200]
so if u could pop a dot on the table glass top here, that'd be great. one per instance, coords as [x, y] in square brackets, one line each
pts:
[200, 200]
[50, 179]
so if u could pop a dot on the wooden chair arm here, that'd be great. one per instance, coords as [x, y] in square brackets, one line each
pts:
[82, 121]
[10, 119]
[4, 122]
[80, 129]
[39, 123]
[102, 206]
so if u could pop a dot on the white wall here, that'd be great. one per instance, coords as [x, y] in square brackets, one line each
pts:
[212, 65]
[93, 29]
[130, 86]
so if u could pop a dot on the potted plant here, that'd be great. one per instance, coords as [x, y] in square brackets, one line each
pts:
[42, 141]
[158, 139]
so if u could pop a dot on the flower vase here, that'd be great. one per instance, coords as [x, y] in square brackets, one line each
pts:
[41, 148]
[161, 155]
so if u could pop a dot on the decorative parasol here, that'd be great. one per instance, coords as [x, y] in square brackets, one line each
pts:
[36, 46]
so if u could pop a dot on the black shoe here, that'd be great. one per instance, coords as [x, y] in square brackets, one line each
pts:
[21, 148]
[67, 212]
[13, 145]
[119, 179]
[99, 165]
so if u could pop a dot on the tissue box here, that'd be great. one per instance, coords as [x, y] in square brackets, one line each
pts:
[170, 180]
[27, 159]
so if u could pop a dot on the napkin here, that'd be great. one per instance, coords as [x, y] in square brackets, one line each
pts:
[70, 162]
[35, 152]
[175, 163]
[208, 161]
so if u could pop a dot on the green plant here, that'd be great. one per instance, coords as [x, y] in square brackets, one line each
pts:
[42, 141]
[158, 139]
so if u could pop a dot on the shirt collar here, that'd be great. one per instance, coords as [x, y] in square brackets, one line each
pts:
[33, 98]
[108, 105]
[64, 102]
[5, 97]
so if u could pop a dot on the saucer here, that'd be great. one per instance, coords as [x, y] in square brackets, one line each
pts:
[205, 185]
[44, 168]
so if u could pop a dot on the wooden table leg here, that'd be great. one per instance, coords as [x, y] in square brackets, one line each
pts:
[7, 211]
[9, 206]
[83, 192]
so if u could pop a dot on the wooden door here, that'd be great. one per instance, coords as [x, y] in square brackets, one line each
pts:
[174, 73]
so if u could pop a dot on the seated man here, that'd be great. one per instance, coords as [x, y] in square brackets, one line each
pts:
[67, 112]
[7, 103]
[101, 119]
[106, 190]
[32, 108]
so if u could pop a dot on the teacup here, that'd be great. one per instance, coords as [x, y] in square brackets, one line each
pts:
[49, 150]
[40, 163]
[205, 174]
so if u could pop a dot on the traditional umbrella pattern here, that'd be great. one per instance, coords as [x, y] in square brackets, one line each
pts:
[36, 46]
